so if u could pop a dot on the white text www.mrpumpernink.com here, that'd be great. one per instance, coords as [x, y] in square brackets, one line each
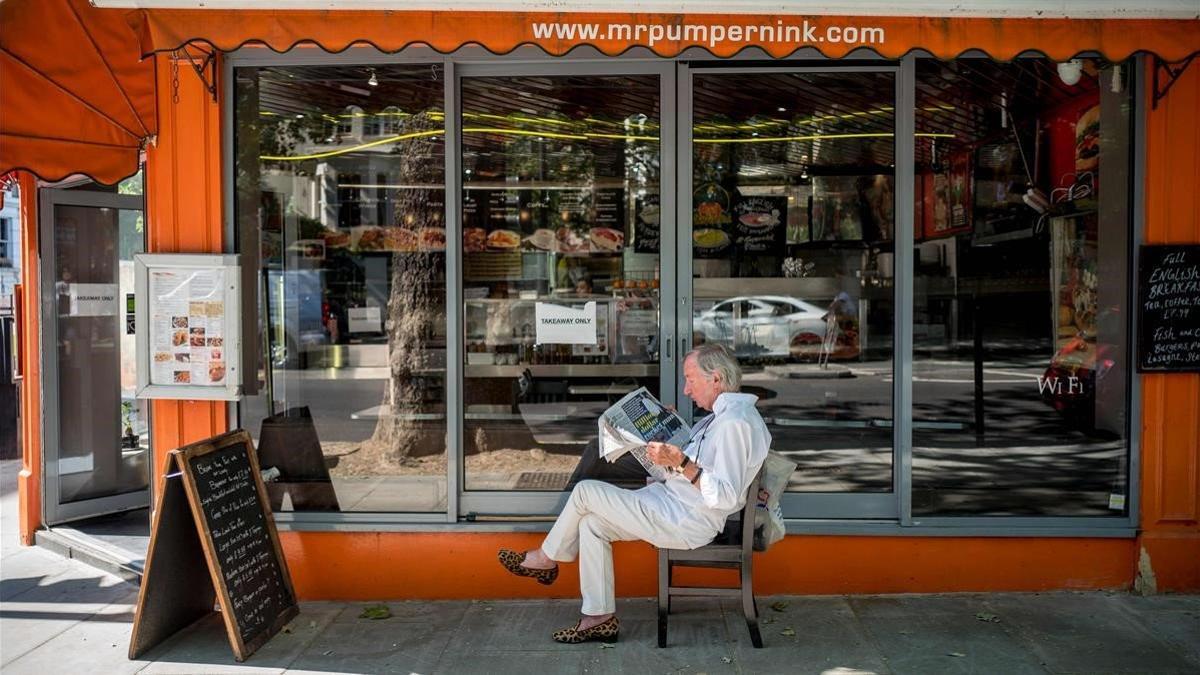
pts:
[800, 34]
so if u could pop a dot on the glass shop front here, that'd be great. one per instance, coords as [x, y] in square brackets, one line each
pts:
[923, 266]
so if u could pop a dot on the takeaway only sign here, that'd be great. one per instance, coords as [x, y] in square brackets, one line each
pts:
[558, 324]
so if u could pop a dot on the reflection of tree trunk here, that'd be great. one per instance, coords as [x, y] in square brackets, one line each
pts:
[416, 301]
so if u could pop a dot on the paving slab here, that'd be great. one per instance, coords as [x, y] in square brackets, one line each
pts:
[828, 637]
[1174, 619]
[204, 646]
[26, 568]
[941, 634]
[56, 603]
[507, 662]
[98, 645]
[1086, 633]
[355, 645]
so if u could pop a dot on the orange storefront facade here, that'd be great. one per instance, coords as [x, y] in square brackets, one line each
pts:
[934, 453]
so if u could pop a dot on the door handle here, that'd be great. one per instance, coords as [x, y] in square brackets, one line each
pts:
[670, 338]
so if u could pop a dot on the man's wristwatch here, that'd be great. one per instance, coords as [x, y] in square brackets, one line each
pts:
[683, 464]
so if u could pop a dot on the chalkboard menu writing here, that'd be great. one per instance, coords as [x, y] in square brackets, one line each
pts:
[646, 223]
[213, 516]
[760, 224]
[241, 542]
[1169, 309]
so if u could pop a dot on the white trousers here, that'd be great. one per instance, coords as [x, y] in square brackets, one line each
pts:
[596, 515]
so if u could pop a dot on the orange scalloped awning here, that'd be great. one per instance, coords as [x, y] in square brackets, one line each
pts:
[501, 32]
[76, 96]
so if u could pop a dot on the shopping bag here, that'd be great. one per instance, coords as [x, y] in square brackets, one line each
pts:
[768, 516]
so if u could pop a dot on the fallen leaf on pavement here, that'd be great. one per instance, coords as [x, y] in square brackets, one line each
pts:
[375, 612]
[779, 606]
[787, 631]
[957, 655]
[984, 616]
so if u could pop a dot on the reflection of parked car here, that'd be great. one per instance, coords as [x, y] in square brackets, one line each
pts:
[764, 325]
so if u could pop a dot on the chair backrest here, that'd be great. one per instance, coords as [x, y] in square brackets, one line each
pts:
[748, 511]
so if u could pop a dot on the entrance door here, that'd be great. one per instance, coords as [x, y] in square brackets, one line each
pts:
[787, 194]
[96, 433]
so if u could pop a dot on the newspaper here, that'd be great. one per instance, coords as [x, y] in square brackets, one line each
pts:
[637, 419]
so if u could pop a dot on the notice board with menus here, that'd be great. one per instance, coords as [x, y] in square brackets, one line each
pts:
[1169, 309]
[188, 325]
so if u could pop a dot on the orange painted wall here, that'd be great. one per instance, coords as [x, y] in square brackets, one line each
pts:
[183, 215]
[1171, 402]
[367, 565]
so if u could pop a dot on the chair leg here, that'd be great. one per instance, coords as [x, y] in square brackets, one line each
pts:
[664, 596]
[750, 607]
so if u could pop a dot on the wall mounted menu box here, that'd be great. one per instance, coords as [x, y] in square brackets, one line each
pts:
[1169, 309]
[188, 318]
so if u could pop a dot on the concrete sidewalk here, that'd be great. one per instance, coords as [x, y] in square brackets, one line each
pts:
[59, 616]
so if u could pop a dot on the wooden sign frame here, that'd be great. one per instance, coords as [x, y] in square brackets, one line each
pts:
[194, 606]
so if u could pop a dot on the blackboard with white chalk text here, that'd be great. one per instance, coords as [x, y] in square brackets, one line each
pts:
[1169, 309]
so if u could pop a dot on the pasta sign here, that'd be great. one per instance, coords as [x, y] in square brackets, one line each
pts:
[557, 324]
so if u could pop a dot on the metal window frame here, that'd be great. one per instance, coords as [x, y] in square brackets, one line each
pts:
[55, 512]
[855, 511]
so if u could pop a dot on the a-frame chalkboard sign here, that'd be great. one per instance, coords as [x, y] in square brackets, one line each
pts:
[213, 540]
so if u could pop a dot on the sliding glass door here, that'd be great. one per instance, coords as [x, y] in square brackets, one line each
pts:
[564, 249]
[787, 187]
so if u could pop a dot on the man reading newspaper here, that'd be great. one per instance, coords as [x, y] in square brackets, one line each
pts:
[705, 481]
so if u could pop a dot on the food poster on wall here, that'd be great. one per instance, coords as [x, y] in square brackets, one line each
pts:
[646, 224]
[637, 330]
[1087, 143]
[1074, 284]
[187, 327]
[712, 221]
[837, 209]
[948, 192]
[608, 221]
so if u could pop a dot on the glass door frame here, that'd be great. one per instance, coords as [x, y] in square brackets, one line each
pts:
[499, 504]
[883, 506]
[54, 511]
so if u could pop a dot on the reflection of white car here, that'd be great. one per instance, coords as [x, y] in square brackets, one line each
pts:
[764, 325]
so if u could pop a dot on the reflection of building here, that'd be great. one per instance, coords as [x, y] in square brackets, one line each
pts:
[675, 187]
[10, 241]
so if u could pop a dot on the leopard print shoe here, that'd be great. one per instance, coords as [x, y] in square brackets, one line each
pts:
[511, 560]
[604, 632]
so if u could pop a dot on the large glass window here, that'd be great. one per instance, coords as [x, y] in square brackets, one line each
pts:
[560, 217]
[792, 245]
[1021, 364]
[340, 176]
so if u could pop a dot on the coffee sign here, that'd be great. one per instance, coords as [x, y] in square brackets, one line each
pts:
[1169, 309]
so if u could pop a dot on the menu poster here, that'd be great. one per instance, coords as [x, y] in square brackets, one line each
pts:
[1169, 308]
[646, 224]
[760, 224]
[610, 208]
[187, 327]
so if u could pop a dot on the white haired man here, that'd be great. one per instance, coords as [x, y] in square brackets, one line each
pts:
[687, 511]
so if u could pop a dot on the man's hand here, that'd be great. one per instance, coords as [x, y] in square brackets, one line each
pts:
[664, 454]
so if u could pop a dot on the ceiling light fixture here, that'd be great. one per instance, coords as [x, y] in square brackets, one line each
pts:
[1070, 71]
[373, 81]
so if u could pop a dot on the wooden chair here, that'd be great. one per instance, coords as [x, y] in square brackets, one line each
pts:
[732, 549]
